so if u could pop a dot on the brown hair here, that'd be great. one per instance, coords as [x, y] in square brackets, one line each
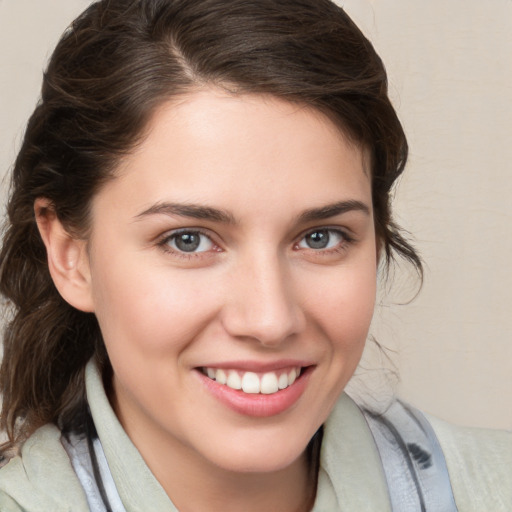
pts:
[116, 63]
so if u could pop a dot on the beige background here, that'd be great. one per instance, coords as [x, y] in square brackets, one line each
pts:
[450, 70]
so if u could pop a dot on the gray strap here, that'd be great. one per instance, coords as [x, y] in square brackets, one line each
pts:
[411, 456]
[77, 449]
[412, 459]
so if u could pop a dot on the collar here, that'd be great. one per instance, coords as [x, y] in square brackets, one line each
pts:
[350, 477]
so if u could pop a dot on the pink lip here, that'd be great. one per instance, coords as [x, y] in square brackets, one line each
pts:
[259, 367]
[257, 405]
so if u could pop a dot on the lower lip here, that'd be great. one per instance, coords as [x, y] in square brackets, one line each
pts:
[258, 405]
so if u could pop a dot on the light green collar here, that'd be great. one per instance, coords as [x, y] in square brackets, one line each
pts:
[350, 479]
[138, 488]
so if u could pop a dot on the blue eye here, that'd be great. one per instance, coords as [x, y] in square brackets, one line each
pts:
[322, 239]
[189, 241]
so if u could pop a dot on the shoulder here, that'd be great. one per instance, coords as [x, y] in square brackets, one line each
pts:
[479, 462]
[41, 478]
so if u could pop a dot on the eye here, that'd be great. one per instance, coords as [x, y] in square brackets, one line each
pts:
[321, 239]
[189, 241]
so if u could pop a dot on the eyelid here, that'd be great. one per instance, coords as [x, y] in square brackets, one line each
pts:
[162, 241]
[333, 237]
[347, 239]
[345, 232]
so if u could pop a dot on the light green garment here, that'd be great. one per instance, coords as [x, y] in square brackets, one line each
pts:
[351, 478]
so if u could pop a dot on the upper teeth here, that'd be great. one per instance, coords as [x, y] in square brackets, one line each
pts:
[250, 382]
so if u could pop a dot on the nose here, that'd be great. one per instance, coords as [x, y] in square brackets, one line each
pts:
[262, 302]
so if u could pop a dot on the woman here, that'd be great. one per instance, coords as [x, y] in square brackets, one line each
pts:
[198, 212]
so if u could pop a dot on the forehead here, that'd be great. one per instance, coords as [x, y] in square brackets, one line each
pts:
[209, 145]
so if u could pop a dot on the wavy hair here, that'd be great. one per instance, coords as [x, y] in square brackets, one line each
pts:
[112, 68]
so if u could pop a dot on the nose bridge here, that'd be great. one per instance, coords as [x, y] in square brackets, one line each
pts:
[263, 304]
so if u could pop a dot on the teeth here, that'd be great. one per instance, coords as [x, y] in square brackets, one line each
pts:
[234, 381]
[282, 383]
[269, 384]
[220, 377]
[252, 383]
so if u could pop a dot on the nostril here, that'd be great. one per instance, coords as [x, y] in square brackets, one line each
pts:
[268, 328]
[261, 304]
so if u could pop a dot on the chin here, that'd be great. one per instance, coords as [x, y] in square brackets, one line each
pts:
[261, 454]
[262, 463]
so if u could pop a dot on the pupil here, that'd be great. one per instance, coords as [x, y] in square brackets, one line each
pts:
[318, 239]
[187, 242]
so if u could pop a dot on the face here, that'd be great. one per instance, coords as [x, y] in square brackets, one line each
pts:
[234, 249]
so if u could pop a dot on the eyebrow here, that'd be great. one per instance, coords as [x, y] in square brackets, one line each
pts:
[195, 211]
[189, 210]
[331, 210]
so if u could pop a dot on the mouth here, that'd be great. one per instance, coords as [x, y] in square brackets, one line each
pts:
[254, 383]
[257, 394]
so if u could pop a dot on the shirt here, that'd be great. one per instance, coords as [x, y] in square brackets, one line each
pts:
[351, 477]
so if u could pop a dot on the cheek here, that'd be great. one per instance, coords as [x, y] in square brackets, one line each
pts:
[346, 302]
[343, 308]
[148, 308]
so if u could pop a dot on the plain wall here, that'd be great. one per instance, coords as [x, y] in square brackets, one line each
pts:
[450, 70]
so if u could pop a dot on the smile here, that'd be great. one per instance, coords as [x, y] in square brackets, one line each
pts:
[257, 393]
[254, 383]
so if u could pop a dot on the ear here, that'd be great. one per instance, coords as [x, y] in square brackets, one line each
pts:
[68, 260]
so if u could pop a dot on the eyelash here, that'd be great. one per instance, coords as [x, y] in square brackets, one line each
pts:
[345, 241]
[164, 242]
[341, 246]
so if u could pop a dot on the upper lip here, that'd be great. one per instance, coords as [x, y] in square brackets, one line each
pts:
[258, 366]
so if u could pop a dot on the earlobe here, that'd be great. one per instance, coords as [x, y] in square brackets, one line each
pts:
[68, 261]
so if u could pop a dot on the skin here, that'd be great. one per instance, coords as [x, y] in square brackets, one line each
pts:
[255, 291]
